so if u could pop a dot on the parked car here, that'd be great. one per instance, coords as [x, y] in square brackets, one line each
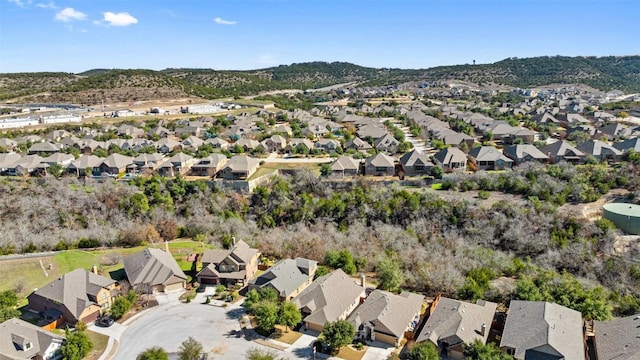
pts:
[105, 321]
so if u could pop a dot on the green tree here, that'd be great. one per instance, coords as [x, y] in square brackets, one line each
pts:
[251, 298]
[154, 353]
[422, 351]
[325, 169]
[337, 334]
[120, 307]
[266, 314]
[56, 170]
[289, 315]
[77, 345]
[479, 351]
[7, 313]
[389, 275]
[8, 298]
[190, 349]
[340, 260]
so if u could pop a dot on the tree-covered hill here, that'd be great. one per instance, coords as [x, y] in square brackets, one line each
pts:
[605, 73]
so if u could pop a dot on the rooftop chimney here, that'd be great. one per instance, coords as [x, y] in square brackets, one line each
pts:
[94, 269]
[363, 280]
[483, 329]
[166, 246]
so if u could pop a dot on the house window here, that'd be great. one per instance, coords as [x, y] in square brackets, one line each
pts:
[28, 346]
[104, 295]
[419, 167]
[380, 169]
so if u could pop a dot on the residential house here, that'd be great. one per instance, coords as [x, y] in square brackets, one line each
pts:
[160, 132]
[345, 166]
[192, 143]
[545, 118]
[178, 164]
[288, 277]
[247, 144]
[240, 167]
[451, 159]
[59, 158]
[45, 148]
[8, 145]
[415, 163]
[600, 150]
[329, 146]
[129, 130]
[80, 166]
[115, 164]
[358, 144]
[329, 298]
[387, 143]
[373, 131]
[154, 270]
[7, 160]
[196, 131]
[542, 330]
[146, 163]
[20, 340]
[218, 143]
[57, 135]
[209, 166]
[615, 131]
[167, 145]
[299, 144]
[237, 265]
[617, 339]
[524, 153]
[24, 165]
[452, 324]
[386, 317]
[628, 145]
[380, 165]
[79, 295]
[562, 151]
[274, 144]
[283, 129]
[488, 158]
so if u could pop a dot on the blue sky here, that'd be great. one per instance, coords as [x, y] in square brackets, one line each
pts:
[78, 35]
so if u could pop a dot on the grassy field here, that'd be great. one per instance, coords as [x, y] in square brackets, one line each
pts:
[31, 273]
[99, 345]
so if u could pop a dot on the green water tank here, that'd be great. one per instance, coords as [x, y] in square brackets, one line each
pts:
[625, 216]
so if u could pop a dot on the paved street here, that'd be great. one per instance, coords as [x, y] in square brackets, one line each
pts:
[216, 327]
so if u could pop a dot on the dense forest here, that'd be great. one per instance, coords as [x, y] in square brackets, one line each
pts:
[605, 73]
[524, 248]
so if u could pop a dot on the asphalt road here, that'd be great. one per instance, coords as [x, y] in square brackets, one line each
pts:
[216, 328]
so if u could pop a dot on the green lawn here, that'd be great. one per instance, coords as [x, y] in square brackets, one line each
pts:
[99, 345]
[29, 274]
[436, 186]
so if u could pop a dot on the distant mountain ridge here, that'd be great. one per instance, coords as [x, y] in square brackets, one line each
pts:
[605, 73]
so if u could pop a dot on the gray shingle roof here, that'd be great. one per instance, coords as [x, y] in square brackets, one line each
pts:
[488, 153]
[152, 266]
[390, 313]
[328, 297]
[413, 158]
[450, 155]
[286, 275]
[380, 160]
[546, 327]
[15, 334]
[73, 289]
[521, 151]
[345, 163]
[618, 339]
[458, 322]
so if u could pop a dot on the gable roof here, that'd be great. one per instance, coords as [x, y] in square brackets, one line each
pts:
[345, 163]
[561, 148]
[488, 153]
[287, 275]
[73, 289]
[118, 161]
[618, 339]
[414, 157]
[380, 160]
[390, 313]
[458, 322]
[241, 253]
[450, 155]
[544, 326]
[152, 266]
[598, 148]
[628, 144]
[86, 161]
[328, 297]
[522, 151]
[15, 334]
[242, 163]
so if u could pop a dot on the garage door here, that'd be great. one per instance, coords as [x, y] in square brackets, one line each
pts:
[91, 317]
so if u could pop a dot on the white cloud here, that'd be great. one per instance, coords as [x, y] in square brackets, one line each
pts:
[50, 5]
[117, 19]
[221, 21]
[70, 14]
[20, 2]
